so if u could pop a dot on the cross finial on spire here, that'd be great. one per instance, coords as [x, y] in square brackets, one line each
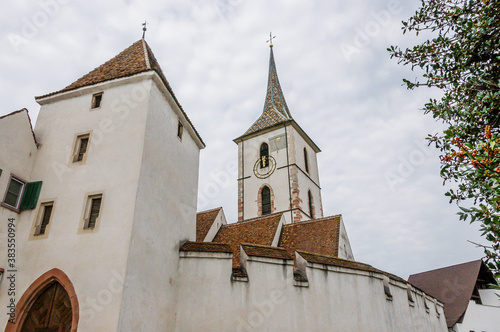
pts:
[144, 28]
[270, 41]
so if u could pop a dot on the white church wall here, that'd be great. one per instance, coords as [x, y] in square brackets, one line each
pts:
[305, 181]
[216, 225]
[339, 299]
[345, 250]
[93, 260]
[479, 318]
[164, 217]
[299, 144]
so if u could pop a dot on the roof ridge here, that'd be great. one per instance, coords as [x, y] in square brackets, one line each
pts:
[218, 208]
[29, 121]
[261, 246]
[446, 267]
[146, 54]
[314, 220]
[254, 219]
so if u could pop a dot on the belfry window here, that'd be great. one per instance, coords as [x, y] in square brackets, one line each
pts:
[266, 200]
[264, 155]
[306, 160]
[310, 201]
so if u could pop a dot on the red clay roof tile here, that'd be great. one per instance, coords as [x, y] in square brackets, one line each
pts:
[204, 221]
[255, 231]
[265, 251]
[206, 247]
[320, 236]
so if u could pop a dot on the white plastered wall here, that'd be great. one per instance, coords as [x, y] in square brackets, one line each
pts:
[94, 261]
[336, 299]
[17, 156]
[306, 181]
[164, 217]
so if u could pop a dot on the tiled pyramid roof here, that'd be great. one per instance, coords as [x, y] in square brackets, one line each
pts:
[275, 107]
[259, 231]
[319, 236]
[135, 59]
[204, 221]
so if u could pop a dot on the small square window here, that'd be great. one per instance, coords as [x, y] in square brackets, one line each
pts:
[96, 100]
[81, 148]
[44, 218]
[14, 193]
[180, 129]
[92, 211]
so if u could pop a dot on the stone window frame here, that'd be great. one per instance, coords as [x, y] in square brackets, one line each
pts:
[259, 199]
[37, 221]
[83, 226]
[96, 101]
[76, 147]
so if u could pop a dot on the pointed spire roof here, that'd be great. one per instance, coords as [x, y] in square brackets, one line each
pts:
[136, 59]
[275, 107]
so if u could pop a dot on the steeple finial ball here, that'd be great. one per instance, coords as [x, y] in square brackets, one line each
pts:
[270, 41]
[144, 28]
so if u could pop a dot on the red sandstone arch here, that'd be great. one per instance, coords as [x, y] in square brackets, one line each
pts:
[259, 199]
[37, 287]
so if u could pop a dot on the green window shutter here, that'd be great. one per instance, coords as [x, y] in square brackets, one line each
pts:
[0, 172]
[30, 196]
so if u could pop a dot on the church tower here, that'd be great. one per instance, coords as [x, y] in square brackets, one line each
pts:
[278, 169]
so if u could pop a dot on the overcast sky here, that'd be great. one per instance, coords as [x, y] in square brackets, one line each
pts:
[338, 80]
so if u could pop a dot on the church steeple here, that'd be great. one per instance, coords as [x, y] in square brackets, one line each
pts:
[275, 100]
[278, 169]
[275, 108]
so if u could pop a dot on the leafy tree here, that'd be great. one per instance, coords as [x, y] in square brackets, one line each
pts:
[463, 61]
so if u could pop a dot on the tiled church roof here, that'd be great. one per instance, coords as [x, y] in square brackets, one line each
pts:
[275, 107]
[205, 220]
[134, 60]
[319, 236]
[259, 231]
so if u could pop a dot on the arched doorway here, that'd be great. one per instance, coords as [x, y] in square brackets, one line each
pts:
[50, 312]
[48, 305]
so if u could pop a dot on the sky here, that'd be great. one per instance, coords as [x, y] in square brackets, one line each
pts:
[338, 79]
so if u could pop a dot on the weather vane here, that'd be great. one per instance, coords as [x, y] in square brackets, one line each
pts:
[144, 28]
[270, 41]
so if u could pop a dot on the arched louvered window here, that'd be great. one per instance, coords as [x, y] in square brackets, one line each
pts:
[310, 200]
[266, 200]
[306, 160]
[264, 155]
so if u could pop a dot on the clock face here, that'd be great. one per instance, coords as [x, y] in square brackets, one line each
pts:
[269, 164]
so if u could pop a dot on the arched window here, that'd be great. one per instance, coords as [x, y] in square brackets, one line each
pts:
[266, 200]
[264, 155]
[306, 160]
[310, 200]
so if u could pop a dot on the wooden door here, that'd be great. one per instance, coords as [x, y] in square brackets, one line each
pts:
[50, 312]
